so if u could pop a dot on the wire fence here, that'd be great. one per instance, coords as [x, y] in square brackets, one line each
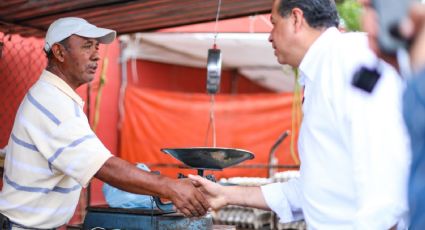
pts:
[21, 62]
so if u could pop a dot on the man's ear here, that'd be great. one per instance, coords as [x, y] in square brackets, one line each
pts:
[298, 19]
[58, 52]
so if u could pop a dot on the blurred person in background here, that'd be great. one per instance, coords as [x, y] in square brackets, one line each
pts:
[411, 29]
[353, 145]
[52, 152]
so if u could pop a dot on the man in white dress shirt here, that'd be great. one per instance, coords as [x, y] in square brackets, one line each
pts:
[353, 145]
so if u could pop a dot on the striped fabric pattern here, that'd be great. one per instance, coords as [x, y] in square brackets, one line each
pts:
[52, 153]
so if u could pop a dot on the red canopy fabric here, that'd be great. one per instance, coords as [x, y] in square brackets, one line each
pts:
[159, 119]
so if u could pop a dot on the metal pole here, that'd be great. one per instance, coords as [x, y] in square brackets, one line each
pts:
[88, 190]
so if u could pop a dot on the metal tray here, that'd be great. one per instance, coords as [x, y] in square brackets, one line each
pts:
[209, 158]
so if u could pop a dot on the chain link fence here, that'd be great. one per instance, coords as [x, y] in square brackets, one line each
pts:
[21, 62]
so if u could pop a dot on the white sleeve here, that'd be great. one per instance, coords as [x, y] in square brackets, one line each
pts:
[284, 199]
[381, 154]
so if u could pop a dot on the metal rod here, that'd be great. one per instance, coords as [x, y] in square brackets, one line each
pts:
[211, 123]
[212, 119]
[250, 166]
[273, 150]
[216, 22]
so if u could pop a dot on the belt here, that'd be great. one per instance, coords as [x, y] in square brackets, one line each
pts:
[6, 224]
[14, 225]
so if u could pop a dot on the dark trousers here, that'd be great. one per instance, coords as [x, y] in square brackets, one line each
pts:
[4, 222]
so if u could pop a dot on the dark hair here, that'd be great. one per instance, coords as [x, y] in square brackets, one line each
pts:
[318, 13]
[49, 54]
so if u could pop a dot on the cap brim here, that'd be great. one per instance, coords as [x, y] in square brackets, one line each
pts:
[104, 36]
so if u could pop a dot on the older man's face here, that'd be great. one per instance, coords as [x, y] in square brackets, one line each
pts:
[81, 57]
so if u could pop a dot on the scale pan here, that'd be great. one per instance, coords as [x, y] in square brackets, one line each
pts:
[209, 158]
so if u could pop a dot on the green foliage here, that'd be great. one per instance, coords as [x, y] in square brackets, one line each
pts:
[350, 12]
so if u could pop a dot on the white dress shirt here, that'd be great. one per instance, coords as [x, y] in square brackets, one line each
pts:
[353, 145]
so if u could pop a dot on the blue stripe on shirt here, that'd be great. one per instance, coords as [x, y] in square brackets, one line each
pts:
[66, 190]
[24, 144]
[43, 109]
[39, 189]
[73, 144]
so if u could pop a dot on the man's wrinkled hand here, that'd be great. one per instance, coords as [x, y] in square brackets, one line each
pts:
[187, 198]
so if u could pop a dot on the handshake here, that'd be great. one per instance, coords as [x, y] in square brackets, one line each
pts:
[211, 195]
[214, 193]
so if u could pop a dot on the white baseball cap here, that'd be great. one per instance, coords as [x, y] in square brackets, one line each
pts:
[65, 27]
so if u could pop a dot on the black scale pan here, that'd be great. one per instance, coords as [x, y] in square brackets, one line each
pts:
[209, 158]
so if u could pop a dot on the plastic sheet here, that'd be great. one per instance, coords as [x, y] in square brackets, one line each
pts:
[117, 198]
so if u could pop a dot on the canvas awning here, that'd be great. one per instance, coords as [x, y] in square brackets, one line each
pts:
[250, 53]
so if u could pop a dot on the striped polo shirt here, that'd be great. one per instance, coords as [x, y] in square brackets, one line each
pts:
[52, 153]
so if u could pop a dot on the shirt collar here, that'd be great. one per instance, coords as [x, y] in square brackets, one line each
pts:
[56, 81]
[309, 63]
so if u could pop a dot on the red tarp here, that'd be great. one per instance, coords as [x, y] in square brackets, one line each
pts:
[158, 119]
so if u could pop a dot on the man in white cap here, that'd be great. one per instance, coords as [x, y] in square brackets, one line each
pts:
[52, 152]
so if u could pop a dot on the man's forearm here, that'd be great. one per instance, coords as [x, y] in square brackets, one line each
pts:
[250, 196]
[125, 176]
